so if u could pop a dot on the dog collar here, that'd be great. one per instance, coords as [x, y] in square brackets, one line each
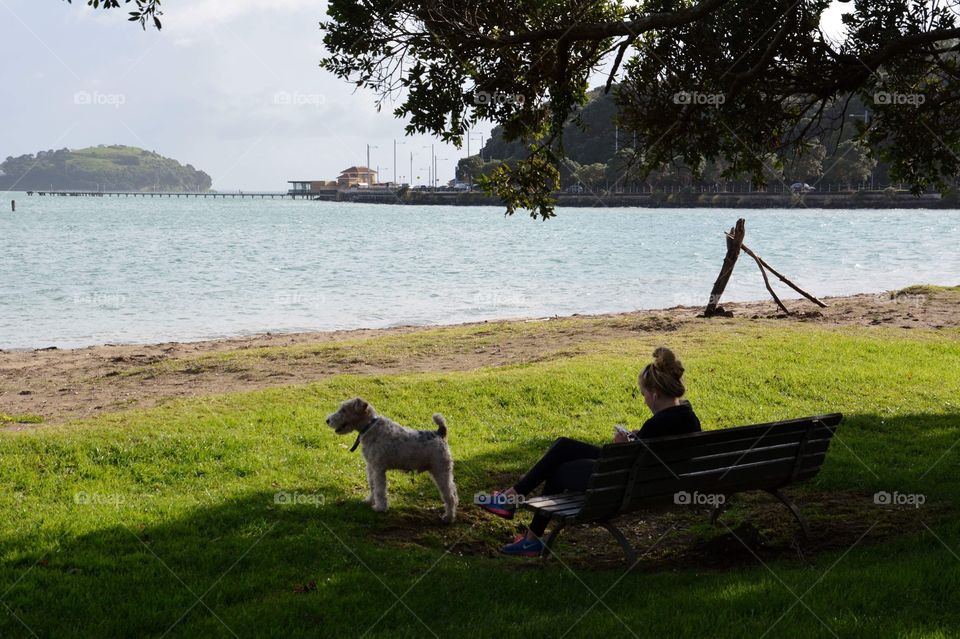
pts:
[363, 430]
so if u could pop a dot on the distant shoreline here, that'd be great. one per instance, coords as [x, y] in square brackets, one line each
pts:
[656, 200]
[834, 200]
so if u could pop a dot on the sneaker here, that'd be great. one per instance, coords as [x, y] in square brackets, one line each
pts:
[500, 505]
[524, 548]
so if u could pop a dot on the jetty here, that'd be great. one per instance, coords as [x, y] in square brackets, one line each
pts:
[187, 194]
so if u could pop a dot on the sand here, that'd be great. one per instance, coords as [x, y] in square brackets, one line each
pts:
[60, 385]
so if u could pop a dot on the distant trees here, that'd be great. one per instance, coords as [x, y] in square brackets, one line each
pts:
[118, 168]
[853, 164]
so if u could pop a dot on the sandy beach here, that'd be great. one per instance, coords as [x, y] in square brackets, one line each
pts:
[60, 385]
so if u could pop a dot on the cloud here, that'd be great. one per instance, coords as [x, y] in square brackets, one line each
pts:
[201, 14]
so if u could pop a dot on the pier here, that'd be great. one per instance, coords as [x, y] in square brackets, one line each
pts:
[187, 194]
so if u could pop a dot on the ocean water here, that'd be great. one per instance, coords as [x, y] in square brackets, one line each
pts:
[83, 271]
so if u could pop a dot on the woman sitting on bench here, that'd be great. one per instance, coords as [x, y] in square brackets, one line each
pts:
[569, 463]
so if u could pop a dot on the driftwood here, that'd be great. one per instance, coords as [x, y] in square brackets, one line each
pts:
[783, 278]
[734, 243]
[734, 246]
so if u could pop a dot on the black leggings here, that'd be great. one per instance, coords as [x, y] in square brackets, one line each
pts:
[566, 466]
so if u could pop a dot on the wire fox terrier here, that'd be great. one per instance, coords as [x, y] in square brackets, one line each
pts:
[387, 445]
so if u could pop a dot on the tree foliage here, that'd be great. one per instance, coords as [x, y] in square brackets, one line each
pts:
[745, 80]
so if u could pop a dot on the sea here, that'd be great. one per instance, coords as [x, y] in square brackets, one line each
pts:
[81, 271]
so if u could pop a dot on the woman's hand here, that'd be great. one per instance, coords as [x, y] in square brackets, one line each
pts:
[620, 437]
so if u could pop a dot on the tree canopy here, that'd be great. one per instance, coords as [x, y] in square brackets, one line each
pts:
[741, 81]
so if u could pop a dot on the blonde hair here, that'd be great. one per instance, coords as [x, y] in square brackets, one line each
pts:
[664, 375]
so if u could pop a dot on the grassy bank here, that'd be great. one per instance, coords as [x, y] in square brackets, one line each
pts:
[166, 521]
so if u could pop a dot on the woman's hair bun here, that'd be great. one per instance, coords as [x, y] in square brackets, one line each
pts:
[667, 362]
[664, 374]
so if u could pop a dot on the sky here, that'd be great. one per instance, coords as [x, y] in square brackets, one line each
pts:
[232, 87]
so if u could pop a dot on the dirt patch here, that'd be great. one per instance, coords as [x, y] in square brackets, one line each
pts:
[756, 528]
[64, 384]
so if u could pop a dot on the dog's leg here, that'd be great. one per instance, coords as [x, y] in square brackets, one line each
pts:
[443, 478]
[369, 498]
[379, 480]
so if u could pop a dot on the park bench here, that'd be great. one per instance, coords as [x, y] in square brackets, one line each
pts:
[655, 474]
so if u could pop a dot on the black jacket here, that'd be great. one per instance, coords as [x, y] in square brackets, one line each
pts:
[676, 420]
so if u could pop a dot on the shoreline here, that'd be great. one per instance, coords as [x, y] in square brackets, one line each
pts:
[243, 339]
[51, 386]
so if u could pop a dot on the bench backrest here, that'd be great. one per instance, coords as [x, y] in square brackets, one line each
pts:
[642, 474]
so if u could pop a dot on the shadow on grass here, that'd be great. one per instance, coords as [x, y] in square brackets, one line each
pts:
[332, 567]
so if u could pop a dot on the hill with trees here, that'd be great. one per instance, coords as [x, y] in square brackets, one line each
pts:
[599, 155]
[101, 168]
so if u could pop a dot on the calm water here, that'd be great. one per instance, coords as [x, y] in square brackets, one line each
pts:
[76, 272]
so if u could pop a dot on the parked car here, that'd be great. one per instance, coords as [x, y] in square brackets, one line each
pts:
[575, 188]
[801, 187]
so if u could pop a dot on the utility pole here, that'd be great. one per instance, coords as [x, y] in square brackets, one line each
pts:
[368, 163]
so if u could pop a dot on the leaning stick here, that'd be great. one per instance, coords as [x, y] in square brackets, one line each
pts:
[734, 240]
[766, 282]
[782, 277]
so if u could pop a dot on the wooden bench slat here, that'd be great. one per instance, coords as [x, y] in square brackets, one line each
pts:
[658, 470]
[621, 458]
[606, 501]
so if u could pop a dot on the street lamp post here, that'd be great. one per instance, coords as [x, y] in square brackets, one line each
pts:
[395, 143]
[368, 162]
[433, 164]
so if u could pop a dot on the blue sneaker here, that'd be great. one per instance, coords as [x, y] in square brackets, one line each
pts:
[498, 504]
[524, 548]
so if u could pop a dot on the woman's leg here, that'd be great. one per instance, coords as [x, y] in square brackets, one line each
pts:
[572, 475]
[563, 450]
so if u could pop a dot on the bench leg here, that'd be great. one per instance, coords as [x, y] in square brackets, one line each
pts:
[793, 509]
[551, 539]
[716, 512]
[628, 550]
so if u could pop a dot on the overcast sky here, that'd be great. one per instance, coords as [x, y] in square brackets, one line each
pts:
[230, 86]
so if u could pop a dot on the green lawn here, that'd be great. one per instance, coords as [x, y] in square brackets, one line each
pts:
[164, 522]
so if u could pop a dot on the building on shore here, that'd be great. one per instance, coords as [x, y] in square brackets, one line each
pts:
[351, 178]
[359, 176]
[310, 187]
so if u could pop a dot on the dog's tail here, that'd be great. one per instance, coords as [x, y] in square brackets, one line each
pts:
[441, 424]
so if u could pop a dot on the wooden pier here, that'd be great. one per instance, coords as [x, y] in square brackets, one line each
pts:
[186, 194]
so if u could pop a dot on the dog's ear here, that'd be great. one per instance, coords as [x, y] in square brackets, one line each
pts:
[360, 405]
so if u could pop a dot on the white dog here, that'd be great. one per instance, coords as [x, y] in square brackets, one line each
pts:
[388, 445]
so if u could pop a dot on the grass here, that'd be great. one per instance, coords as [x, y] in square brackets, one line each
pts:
[144, 522]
